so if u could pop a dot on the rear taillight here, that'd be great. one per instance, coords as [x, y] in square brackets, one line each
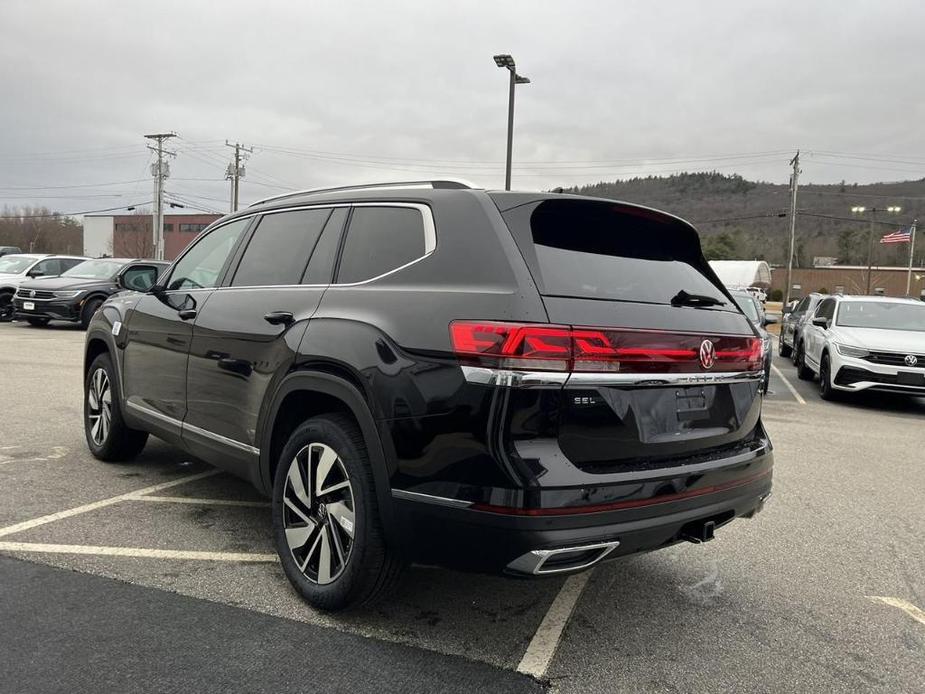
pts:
[565, 348]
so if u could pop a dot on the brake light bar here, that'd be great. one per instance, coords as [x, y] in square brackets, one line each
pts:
[543, 347]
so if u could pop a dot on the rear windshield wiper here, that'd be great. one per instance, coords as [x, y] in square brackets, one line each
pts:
[682, 298]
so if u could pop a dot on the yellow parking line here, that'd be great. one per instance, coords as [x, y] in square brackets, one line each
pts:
[86, 508]
[94, 550]
[907, 607]
[793, 391]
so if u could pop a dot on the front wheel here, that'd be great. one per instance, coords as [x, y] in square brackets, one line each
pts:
[108, 437]
[326, 523]
[826, 391]
[804, 373]
[89, 310]
[6, 307]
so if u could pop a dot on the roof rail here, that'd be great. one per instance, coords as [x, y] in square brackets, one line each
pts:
[445, 183]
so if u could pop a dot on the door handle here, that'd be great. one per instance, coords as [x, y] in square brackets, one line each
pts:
[279, 318]
[187, 314]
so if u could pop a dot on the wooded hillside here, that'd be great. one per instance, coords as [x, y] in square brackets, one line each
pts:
[752, 229]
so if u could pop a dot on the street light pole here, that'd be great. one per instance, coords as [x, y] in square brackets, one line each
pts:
[892, 209]
[510, 134]
[507, 62]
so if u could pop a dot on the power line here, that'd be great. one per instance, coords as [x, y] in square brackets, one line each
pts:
[74, 214]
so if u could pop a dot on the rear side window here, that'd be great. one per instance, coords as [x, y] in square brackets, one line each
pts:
[280, 248]
[601, 250]
[379, 240]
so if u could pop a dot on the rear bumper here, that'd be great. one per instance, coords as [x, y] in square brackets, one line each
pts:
[446, 533]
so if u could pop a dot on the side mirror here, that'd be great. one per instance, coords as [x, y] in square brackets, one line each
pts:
[35, 273]
[821, 322]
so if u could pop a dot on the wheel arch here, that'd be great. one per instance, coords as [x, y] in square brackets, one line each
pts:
[302, 395]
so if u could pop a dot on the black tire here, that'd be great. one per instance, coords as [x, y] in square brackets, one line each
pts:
[796, 351]
[110, 441]
[37, 322]
[369, 569]
[6, 307]
[804, 373]
[826, 391]
[783, 349]
[89, 310]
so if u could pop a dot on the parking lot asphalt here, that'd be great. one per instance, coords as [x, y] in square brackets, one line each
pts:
[784, 602]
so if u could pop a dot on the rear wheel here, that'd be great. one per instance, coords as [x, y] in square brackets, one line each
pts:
[826, 391]
[37, 322]
[804, 373]
[108, 437]
[326, 524]
[783, 349]
[89, 310]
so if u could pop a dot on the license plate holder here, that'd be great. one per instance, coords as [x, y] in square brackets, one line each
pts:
[906, 378]
[28, 306]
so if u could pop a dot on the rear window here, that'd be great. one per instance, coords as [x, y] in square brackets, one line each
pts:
[600, 250]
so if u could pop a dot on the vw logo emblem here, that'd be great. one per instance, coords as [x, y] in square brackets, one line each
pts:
[911, 360]
[707, 354]
[31, 293]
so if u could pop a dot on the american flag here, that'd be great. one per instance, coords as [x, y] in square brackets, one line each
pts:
[898, 236]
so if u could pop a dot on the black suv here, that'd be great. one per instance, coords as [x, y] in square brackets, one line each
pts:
[516, 382]
[76, 294]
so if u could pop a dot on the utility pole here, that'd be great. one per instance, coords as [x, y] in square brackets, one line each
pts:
[235, 170]
[794, 180]
[160, 170]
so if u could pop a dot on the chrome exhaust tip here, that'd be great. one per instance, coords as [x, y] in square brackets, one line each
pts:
[542, 562]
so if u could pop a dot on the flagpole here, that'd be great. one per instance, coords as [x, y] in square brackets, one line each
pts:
[911, 255]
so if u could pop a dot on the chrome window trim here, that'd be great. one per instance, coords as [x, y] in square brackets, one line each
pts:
[430, 242]
[549, 379]
[183, 427]
[430, 499]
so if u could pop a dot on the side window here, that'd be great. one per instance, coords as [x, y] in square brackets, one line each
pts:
[321, 266]
[380, 239]
[47, 268]
[826, 309]
[140, 277]
[202, 264]
[803, 305]
[278, 251]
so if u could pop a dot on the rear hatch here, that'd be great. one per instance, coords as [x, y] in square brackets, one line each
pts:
[664, 368]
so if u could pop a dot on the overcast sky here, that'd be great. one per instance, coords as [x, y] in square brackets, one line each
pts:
[342, 92]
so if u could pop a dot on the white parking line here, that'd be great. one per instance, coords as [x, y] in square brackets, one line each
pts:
[94, 550]
[543, 645]
[86, 508]
[907, 607]
[197, 501]
[793, 391]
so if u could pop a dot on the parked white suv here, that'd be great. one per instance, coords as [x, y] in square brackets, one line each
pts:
[17, 268]
[859, 343]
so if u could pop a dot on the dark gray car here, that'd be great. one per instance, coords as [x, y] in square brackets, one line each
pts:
[793, 322]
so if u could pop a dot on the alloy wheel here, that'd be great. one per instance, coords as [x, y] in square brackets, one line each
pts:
[318, 513]
[99, 401]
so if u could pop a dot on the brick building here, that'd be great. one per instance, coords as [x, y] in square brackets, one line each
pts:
[850, 279]
[130, 235]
